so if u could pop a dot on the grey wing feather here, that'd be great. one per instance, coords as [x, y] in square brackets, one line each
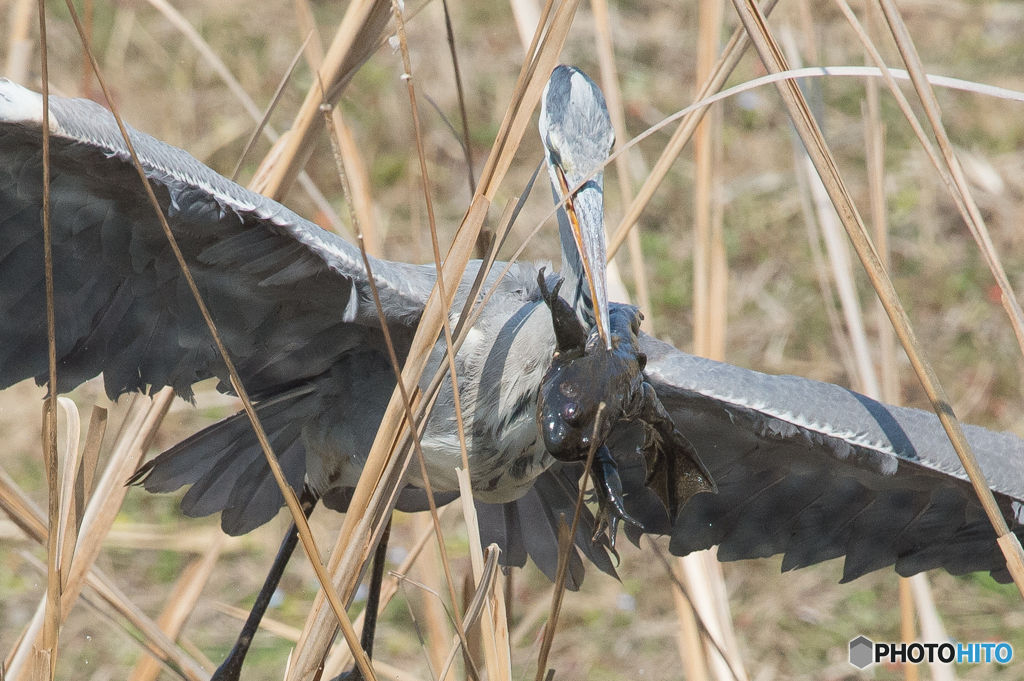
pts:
[288, 297]
[815, 471]
[529, 526]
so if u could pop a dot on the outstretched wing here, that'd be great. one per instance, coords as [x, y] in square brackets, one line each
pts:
[816, 471]
[288, 297]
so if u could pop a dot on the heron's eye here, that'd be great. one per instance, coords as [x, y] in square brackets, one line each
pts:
[570, 411]
[641, 359]
[568, 389]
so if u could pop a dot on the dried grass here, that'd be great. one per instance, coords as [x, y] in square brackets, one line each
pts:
[590, 636]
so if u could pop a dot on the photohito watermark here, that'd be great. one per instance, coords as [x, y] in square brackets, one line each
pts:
[865, 652]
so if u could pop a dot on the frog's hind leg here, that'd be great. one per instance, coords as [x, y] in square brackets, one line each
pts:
[674, 469]
[611, 507]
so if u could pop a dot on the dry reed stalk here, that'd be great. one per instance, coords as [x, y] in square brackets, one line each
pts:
[137, 430]
[774, 61]
[406, 400]
[435, 621]
[32, 638]
[931, 623]
[527, 15]
[497, 652]
[728, 662]
[67, 530]
[360, 197]
[305, 535]
[700, 571]
[155, 537]
[359, 183]
[718, 284]
[268, 624]
[613, 98]
[85, 88]
[19, 42]
[688, 638]
[949, 171]
[705, 587]
[475, 607]
[909, 588]
[467, 143]
[698, 605]
[190, 647]
[541, 57]
[90, 459]
[341, 656]
[40, 665]
[180, 604]
[148, 634]
[907, 635]
[827, 224]
[210, 57]
[52, 618]
[23, 511]
[709, 28]
[723, 68]
[874, 147]
[822, 273]
[264, 119]
[469, 511]
[500, 625]
[371, 497]
[680, 589]
[473, 634]
[977, 223]
[566, 535]
[355, 40]
[429, 202]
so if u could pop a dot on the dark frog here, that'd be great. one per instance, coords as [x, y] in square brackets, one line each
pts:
[583, 374]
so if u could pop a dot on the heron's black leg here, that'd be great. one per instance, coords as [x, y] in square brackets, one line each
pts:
[231, 668]
[372, 604]
[610, 505]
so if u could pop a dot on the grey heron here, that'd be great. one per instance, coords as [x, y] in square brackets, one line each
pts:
[803, 468]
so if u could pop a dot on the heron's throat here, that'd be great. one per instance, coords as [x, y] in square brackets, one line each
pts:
[575, 290]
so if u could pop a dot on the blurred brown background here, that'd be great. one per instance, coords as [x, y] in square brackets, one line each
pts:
[791, 626]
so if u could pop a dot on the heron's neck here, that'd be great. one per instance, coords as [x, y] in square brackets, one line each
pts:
[575, 290]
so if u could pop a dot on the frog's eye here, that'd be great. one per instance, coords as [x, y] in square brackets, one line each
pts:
[570, 412]
[568, 389]
[641, 359]
[634, 324]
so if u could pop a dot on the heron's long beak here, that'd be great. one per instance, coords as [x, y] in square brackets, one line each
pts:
[586, 217]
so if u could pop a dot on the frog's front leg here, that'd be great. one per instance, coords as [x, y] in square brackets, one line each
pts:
[611, 507]
[674, 469]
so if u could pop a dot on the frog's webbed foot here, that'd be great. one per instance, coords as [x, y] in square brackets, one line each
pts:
[674, 469]
[611, 508]
[570, 336]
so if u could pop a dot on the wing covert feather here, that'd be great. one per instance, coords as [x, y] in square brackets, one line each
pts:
[287, 296]
[815, 471]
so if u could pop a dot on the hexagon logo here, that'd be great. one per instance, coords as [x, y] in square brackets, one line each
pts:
[861, 652]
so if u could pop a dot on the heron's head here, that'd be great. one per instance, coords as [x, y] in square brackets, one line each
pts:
[578, 136]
